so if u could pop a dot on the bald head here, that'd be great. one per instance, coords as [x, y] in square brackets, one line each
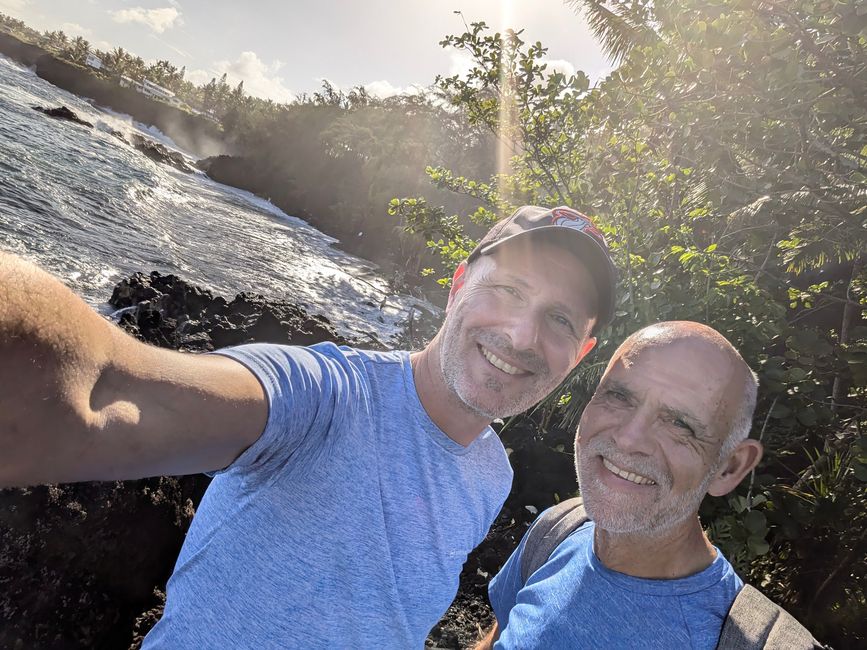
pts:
[712, 348]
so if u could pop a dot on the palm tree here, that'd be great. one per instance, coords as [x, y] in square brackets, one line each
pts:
[56, 40]
[619, 25]
[161, 72]
[117, 61]
[78, 49]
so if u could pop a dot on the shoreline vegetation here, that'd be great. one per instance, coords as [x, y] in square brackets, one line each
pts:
[725, 158]
[334, 158]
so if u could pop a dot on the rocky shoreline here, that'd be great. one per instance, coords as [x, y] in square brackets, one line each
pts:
[268, 183]
[153, 150]
[192, 132]
[374, 242]
[85, 565]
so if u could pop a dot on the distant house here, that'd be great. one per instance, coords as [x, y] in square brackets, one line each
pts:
[126, 82]
[155, 91]
[93, 61]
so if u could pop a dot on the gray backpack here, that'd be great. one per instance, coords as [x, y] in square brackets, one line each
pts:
[753, 622]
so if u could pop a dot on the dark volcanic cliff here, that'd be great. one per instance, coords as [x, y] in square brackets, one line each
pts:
[193, 133]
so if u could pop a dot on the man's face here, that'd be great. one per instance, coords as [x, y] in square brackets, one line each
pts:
[517, 327]
[651, 436]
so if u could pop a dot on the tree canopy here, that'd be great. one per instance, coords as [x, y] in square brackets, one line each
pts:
[725, 159]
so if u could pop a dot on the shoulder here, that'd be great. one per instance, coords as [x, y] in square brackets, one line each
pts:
[493, 459]
[489, 444]
[384, 358]
[319, 358]
[323, 373]
[384, 364]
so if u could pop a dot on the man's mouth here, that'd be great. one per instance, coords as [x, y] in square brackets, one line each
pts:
[499, 363]
[629, 476]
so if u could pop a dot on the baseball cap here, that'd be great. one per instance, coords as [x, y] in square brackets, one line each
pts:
[586, 241]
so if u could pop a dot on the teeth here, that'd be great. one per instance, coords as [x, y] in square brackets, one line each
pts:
[499, 363]
[629, 476]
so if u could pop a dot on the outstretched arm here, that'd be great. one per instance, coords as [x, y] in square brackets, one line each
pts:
[488, 642]
[82, 400]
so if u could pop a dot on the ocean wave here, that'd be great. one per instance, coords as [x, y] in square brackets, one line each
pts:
[93, 210]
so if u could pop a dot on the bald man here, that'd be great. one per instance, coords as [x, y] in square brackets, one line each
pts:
[667, 425]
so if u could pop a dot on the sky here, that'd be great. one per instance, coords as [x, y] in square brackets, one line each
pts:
[281, 48]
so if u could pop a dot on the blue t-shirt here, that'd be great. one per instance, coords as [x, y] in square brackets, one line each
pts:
[345, 525]
[574, 601]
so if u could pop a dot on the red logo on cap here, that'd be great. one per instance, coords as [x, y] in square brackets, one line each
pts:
[577, 221]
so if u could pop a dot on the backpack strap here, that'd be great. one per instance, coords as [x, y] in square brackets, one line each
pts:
[550, 528]
[754, 622]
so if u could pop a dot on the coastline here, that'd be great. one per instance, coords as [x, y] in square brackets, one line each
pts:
[191, 132]
[365, 238]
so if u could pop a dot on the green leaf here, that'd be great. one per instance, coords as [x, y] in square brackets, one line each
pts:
[807, 417]
[756, 522]
[758, 546]
[780, 411]
[738, 503]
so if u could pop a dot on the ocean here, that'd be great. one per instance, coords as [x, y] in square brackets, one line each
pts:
[92, 209]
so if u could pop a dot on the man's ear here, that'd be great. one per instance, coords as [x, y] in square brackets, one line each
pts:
[739, 463]
[457, 282]
[589, 344]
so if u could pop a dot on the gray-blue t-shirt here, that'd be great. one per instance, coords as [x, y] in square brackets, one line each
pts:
[574, 601]
[345, 525]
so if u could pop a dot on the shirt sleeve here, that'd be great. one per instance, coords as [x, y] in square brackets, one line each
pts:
[503, 589]
[304, 388]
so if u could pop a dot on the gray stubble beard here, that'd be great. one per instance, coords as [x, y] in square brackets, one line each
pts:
[653, 521]
[451, 366]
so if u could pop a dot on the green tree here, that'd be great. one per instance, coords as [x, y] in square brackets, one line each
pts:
[117, 61]
[726, 159]
[77, 50]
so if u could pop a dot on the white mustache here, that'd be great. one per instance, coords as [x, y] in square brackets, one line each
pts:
[635, 464]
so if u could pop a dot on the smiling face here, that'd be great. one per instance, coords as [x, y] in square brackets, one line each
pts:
[516, 327]
[650, 438]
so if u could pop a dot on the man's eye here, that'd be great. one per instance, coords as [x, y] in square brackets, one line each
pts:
[616, 395]
[507, 289]
[562, 320]
[680, 424]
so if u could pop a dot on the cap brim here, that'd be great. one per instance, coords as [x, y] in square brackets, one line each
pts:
[590, 253]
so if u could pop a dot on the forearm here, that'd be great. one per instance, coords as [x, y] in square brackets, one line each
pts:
[82, 400]
[487, 643]
[53, 349]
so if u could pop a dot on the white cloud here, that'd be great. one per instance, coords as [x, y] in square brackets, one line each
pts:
[260, 79]
[460, 62]
[13, 5]
[199, 77]
[159, 20]
[383, 89]
[74, 29]
[560, 65]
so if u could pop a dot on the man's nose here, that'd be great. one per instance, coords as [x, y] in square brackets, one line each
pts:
[633, 434]
[524, 332]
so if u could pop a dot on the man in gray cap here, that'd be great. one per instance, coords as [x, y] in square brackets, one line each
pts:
[349, 486]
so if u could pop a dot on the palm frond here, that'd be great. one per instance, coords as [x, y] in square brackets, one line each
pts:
[619, 26]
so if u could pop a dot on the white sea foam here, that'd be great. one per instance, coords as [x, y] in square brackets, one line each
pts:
[11, 63]
[264, 205]
[96, 223]
[125, 124]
